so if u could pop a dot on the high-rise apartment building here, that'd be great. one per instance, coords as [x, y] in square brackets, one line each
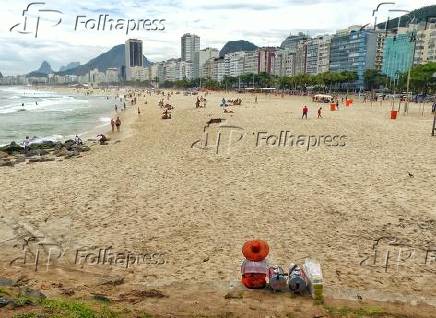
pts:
[134, 60]
[200, 59]
[190, 44]
[353, 49]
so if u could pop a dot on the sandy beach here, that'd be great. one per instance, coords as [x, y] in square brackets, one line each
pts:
[366, 209]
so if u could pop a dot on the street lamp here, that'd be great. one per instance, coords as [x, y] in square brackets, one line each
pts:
[376, 10]
[399, 18]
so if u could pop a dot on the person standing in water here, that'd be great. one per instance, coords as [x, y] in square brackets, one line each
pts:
[113, 124]
[118, 123]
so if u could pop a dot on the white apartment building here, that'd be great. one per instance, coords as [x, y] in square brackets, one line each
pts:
[200, 59]
[219, 69]
[300, 58]
[183, 70]
[234, 64]
[207, 68]
[317, 54]
[169, 70]
[425, 46]
[112, 75]
[284, 64]
[190, 44]
[95, 76]
[251, 63]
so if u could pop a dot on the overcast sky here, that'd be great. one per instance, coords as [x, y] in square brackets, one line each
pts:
[265, 23]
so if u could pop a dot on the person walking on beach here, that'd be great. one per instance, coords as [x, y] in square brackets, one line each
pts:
[305, 111]
[118, 124]
[116, 108]
[337, 104]
[319, 112]
[139, 111]
[113, 124]
[255, 99]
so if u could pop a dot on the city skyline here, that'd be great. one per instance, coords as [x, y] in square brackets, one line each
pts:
[261, 24]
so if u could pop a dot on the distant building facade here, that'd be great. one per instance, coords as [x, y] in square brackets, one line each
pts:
[397, 55]
[134, 60]
[353, 49]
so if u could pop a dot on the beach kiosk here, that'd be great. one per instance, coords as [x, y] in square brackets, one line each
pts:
[322, 98]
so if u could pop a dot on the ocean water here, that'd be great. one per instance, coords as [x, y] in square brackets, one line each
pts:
[50, 116]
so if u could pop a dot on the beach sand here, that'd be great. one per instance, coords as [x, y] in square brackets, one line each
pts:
[150, 191]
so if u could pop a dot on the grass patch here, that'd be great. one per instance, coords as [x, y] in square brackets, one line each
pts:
[4, 292]
[362, 312]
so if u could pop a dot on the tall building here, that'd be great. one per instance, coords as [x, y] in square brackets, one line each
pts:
[183, 70]
[200, 59]
[219, 69]
[169, 70]
[266, 59]
[134, 60]
[398, 55]
[300, 57]
[251, 63]
[379, 53]
[234, 63]
[284, 63]
[207, 68]
[354, 50]
[318, 54]
[425, 49]
[112, 75]
[292, 40]
[190, 45]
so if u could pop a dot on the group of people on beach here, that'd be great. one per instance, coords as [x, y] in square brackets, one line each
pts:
[306, 111]
[116, 123]
[200, 102]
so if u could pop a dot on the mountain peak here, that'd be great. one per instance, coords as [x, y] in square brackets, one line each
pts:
[114, 58]
[237, 46]
[45, 68]
[69, 66]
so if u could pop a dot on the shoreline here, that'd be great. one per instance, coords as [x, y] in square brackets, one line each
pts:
[87, 133]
